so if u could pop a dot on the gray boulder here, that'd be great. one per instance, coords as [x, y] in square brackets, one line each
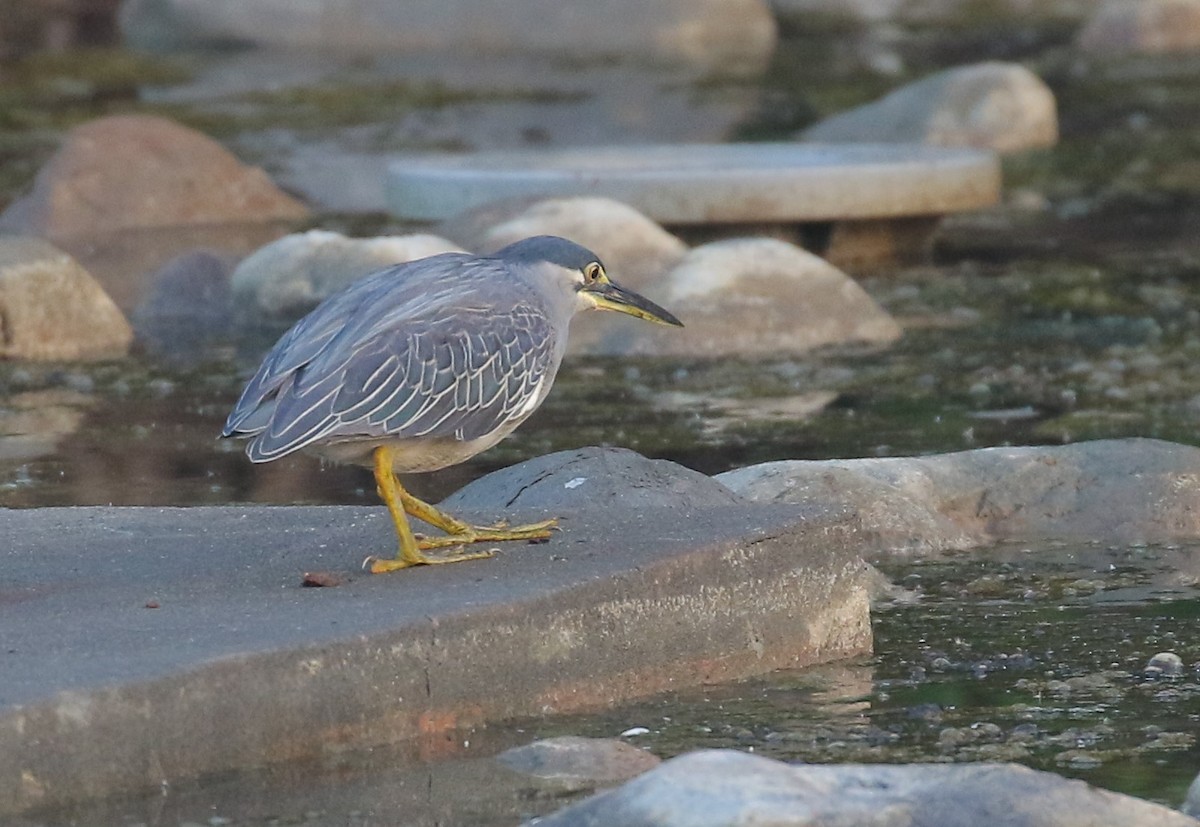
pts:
[733, 34]
[1000, 106]
[1142, 27]
[138, 171]
[52, 309]
[290, 276]
[595, 478]
[1126, 490]
[752, 296]
[723, 788]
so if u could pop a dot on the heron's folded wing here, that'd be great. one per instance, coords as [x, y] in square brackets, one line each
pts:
[461, 377]
[462, 381]
[319, 343]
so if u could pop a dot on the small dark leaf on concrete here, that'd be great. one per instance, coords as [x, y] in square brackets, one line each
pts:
[319, 579]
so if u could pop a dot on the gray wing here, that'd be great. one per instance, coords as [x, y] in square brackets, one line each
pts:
[461, 377]
[330, 329]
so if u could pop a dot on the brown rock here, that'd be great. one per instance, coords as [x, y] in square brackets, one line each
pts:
[52, 309]
[136, 171]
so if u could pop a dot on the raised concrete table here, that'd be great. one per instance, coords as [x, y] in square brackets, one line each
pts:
[831, 198]
[143, 646]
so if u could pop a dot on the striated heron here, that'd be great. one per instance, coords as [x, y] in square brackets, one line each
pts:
[421, 366]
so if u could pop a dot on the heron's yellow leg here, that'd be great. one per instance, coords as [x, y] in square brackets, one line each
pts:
[393, 495]
[459, 532]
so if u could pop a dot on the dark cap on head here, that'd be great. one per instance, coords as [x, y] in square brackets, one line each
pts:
[549, 248]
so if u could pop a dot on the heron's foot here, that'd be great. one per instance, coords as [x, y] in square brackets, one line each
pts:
[489, 534]
[459, 534]
[377, 565]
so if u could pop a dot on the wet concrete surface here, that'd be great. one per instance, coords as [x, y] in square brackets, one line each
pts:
[146, 645]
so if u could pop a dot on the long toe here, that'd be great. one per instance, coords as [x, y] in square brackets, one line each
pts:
[490, 534]
[459, 553]
[454, 553]
[518, 532]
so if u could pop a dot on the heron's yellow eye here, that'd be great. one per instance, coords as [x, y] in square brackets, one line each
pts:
[593, 273]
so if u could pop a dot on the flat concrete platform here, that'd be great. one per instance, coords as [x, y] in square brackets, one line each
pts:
[140, 646]
[700, 184]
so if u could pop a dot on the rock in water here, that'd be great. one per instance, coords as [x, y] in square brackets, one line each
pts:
[1000, 106]
[1122, 490]
[570, 763]
[52, 309]
[136, 171]
[757, 296]
[723, 788]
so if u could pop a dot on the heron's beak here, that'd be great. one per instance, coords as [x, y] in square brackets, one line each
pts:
[610, 296]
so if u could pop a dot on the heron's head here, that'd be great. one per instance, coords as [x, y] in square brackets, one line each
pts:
[578, 270]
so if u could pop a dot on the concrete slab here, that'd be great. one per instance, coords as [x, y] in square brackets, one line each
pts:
[141, 645]
[690, 184]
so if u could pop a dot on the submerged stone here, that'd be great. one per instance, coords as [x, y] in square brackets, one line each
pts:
[570, 763]
[188, 304]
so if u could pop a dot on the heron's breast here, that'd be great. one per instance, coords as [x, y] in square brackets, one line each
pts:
[413, 455]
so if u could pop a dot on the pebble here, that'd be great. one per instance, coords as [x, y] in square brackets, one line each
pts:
[1164, 664]
[79, 382]
[989, 585]
[1078, 759]
[1022, 733]
[952, 737]
[1086, 683]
